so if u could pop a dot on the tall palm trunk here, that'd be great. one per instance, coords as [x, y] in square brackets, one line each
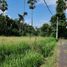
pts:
[31, 17]
[31, 6]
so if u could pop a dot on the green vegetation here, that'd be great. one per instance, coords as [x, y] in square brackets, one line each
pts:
[18, 27]
[30, 51]
[62, 23]
[23, 52]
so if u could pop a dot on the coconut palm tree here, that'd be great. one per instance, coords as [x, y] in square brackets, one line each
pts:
[32, 6]
[22, 16]
[3, 5]
[3, 8]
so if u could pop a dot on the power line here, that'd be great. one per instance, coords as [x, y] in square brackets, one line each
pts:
[48, 7]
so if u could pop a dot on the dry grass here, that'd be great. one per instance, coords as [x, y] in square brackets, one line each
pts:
[16, 40]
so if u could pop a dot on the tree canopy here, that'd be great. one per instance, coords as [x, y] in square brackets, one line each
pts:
[60, 13]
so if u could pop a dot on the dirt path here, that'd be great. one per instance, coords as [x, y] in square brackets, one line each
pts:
[62, 60]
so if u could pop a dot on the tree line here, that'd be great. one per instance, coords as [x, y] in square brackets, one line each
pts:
[62, 23]
[14, 27]
[18, 27]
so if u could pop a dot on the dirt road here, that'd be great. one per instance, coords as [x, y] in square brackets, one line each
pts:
[63, 54]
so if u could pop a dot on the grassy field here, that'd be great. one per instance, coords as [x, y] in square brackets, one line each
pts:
[26, 52]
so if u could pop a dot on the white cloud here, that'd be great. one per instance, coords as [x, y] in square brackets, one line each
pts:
[5, 13]
[66, 11]
[49, 2]
[0, 11]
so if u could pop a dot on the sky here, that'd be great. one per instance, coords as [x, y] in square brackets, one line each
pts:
[41, 13]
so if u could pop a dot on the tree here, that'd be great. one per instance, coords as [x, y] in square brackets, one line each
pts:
[3, 8]
[2, 24]
[60, 9]
[45, 30]
[3, 5]
[32, 7]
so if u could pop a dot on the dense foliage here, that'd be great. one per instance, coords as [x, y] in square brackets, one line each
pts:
[9, 26]
[45, 30]
[60, 9]
[18, 27]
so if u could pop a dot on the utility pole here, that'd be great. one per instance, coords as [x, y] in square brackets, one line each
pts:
[57, 29]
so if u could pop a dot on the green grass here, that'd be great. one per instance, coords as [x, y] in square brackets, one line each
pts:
[26, 52]
[51, 61]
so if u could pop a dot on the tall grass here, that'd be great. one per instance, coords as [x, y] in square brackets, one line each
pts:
[25, 52]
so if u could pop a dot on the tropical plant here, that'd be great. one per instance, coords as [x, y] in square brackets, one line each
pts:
[3, 5]
[32, 6]
[61, 19]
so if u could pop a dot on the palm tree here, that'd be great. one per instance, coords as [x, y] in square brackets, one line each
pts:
[21, 17]
[32, 6]
[3, 5]
[3, 8]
